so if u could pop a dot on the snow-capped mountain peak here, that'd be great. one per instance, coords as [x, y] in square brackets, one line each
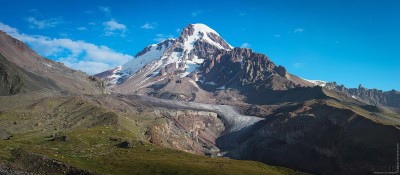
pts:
[195, 32]
[172, 56]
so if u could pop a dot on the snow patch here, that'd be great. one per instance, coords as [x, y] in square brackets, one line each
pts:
[210, 83]
[317, 82]
[221, 88]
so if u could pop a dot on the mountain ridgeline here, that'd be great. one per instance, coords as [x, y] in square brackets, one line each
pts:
[196, 94]
[22, 70]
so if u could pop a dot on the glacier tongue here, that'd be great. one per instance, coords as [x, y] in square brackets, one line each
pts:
[233, 120]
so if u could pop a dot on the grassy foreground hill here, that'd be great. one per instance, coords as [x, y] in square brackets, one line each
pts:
[73, 135]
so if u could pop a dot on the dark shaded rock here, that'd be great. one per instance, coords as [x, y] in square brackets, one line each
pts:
[57, 137]
[124, 144]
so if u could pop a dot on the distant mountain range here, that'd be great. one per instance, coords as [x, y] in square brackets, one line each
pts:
[197, 94]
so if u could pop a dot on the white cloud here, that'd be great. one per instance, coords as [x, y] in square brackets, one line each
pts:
[148, 25]
[42, 24]
[197, 13]
[298, 30]
[112, 27]
[162, 37]
[277, 36]
[78, 54]
[245, 45]
[8, 29]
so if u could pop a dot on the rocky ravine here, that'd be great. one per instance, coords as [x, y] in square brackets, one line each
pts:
[204, 127]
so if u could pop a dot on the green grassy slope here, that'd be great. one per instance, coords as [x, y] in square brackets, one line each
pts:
[84, 135]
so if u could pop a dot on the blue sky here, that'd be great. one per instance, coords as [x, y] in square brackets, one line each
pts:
[348, 41]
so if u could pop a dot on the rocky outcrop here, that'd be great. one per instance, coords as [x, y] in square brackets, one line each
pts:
[191, 131]
[186, 32]
[369, 96]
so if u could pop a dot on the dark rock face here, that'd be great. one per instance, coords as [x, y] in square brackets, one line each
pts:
[317, 138]
[369, 96]
[242, 67]
[186, 32]
[214, 37]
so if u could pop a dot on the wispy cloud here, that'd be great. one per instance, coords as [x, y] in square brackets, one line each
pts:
[76, 54]
[81, 28]
[148, 25]
[162, 37]
[245, 45]
[298, 30]
[43, 24]
[277, 36]
[197, 13]
[112, 27]
[297, 65]
[106, 10]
